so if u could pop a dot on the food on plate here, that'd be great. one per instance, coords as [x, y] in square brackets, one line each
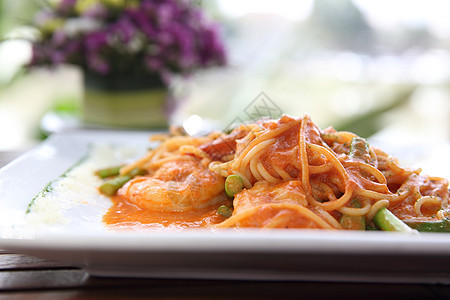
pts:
[284, 173]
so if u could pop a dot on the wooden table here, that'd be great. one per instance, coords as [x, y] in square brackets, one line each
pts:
[27, 277]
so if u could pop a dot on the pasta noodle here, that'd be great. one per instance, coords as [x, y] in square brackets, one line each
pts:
[293, 175]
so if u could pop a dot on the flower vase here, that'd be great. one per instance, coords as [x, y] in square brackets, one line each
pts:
[125, 101]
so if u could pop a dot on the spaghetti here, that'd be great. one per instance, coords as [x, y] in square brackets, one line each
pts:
[293, 174]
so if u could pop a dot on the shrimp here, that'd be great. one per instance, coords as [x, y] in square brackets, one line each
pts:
[178, 185]
[281, 205]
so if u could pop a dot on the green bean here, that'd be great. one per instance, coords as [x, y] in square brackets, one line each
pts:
[372, 227]
[233, 185]
[430, 226]
[111, 186]
[387, 221]
[224, 211]
[353, 222]
[108, 172]
[136, 172]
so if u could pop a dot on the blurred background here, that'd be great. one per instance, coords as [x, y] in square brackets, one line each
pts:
[377, 68]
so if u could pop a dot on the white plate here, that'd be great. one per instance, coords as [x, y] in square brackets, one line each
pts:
[245, 254]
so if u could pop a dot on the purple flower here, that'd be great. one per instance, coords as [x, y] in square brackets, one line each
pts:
[72, 50]
[124, 29]
[157, 36]
[153, 63]
[57, 57]
[98, 64]
[165, 14]
[43, 17]
[96, 11]
[142, 21]
[211, 48]
[66, 6]
[94, 44]
[96, 40]
[59, 37]
[164, 38]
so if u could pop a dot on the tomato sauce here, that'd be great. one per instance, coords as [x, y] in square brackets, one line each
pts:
[125, 215]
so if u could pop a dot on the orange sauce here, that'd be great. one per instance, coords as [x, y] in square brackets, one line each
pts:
[125, 215]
